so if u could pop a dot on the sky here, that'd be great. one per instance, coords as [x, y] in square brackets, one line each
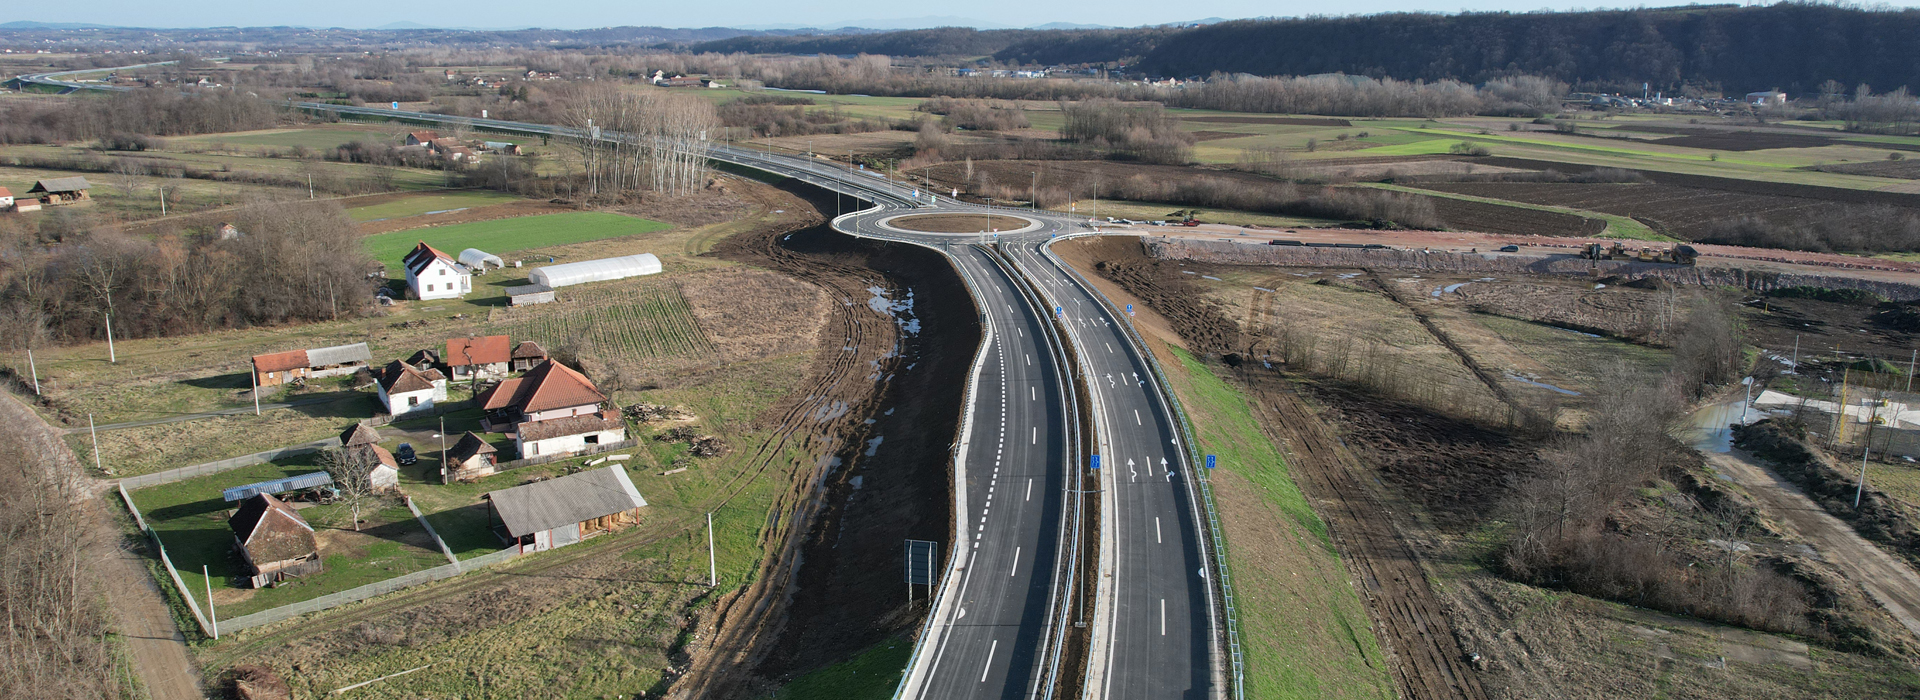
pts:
[581, 14]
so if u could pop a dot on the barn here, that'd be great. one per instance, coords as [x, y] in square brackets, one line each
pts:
[559, 512]
[274, 369]
[275, 541]
[62, 190]
[557, 276]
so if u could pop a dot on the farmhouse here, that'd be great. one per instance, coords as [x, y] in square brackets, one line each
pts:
[553, 410]
[276, 542]
[274, 369]
[62, 190]
[561, 436]
[432, 274]
[560, 512]
[421, 138]
[404, 389]
[471, 458]
[480, 357]
[528, 355]
[6, 199]
[362, 441]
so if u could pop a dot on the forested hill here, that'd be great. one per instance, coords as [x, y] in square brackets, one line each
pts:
[1791, 46]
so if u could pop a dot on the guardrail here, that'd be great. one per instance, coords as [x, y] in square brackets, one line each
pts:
[1236, 657]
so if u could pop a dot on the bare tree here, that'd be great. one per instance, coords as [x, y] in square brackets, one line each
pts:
[352, 472]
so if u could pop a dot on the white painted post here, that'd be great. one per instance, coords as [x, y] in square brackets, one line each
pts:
[111, 357]
[1862, 484]
[96, 444]
[1910, 359]
[1796, 353]
[212, 619]
[253, 375]
[36, 371]
[713, 566]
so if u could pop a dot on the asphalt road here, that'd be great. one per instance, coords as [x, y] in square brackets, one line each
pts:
[995, 622]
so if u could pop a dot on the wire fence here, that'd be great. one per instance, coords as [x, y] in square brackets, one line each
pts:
[331, 600]
[172, 573]
[224, 465]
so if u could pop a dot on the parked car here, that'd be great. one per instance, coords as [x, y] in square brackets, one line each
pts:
[1510, 249]
[405, 454]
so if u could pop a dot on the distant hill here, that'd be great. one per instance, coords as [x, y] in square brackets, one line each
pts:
[53, 25]
[1790, 46]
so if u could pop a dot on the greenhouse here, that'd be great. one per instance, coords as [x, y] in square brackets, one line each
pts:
[477, 259]
[556, 276]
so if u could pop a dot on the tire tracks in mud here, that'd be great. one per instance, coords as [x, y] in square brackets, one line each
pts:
[1408, 615]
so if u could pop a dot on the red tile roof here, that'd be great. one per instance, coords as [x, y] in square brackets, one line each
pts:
[4, 192]
[551, 385]
[480, 350]
[529, 350]
[280, 361]
[421, 255]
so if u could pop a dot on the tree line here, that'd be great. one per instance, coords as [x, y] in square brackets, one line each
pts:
[143, 112]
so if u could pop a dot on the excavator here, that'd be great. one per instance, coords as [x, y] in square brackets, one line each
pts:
[1680, 254]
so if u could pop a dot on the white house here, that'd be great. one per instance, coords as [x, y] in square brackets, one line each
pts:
[404, 389]
[432, 274]
[6, 199]
[552, 410]
[569, 435]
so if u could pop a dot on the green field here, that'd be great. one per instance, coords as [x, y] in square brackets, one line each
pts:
[872, 675]
[427, 203]
[191, 519]
[502, 236]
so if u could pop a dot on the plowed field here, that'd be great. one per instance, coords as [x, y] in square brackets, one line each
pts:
[1678, 211]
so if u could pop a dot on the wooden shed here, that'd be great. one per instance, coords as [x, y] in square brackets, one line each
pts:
[62, 190]
[275, 541]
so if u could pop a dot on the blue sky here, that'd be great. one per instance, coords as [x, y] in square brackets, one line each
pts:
[578, 14]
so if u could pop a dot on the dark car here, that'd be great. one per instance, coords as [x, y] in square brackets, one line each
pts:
[1509, 249]
[405, 454]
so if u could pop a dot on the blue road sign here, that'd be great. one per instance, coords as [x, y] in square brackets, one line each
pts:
[1096, 461]
[1129, 309]
[1059, 311]
[396, 105]
[1210, 460]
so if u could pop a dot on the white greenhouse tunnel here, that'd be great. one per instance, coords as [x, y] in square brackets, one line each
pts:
[556, 276]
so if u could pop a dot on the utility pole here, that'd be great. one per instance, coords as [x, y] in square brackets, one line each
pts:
[1033, 193]
[713, 566]
[212, 619]
[309, 185]
[96, 444]
[254, 374]
[111, 357]
[31, 368]
[1796, 353]
[163, 200]
[1910, 359]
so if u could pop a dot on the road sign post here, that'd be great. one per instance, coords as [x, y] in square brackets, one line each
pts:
[1096, 461]
[921, 556]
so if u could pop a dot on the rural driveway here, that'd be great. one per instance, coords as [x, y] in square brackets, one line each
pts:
[159, 651]
[1888, 580]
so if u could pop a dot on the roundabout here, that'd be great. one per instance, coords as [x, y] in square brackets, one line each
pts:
[959, 222]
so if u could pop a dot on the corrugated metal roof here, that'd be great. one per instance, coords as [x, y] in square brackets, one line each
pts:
[291, 483]
[566, 501]
[61, 184]
[339, 355]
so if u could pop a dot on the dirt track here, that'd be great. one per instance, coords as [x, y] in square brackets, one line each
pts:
[1887, 579]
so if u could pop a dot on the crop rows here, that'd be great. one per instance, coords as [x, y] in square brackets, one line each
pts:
[643, 323]
[1683, 210]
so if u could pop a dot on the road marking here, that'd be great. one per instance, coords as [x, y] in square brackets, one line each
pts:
[1033, 393]
[1016, 562]
[1136, 417]
[996, 647]
[1036, 436]
[1029, 489]
[1163, 620]
[1029, 359]
[1156, 531]
[1109, 347]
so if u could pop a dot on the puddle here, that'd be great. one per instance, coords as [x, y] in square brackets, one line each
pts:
[1707, 429]
[900, 311]
[1451, 288]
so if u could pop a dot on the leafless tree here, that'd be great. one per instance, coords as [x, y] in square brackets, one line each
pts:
[352, 472]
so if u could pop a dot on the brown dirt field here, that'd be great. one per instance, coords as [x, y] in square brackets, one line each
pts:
[1677, 211]
[1512, 221]
[957, 223]
[1731, 185]
[1746, 141]
[1219, 135]
[1291, 121]
[1824, 328]
[1905, 169]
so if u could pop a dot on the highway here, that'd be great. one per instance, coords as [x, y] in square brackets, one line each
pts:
[999, 612]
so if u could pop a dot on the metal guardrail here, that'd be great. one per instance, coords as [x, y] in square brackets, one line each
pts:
[1236, 656]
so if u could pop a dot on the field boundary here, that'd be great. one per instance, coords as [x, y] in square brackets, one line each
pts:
[205, 627]
[354, 595]
[224, 465]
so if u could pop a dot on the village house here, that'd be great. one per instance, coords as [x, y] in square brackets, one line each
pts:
[275, 541]
[432, 274]
[362, 441]
[503, 148]
[228, 232]
[404, 389]
[461, 154]
[6, 199]
[528, 355]
[559, 512]
[62, 190]
[479, 357]
[424, 360]
[274, 369]
[552, 410]
[470, 458]
[421, 138]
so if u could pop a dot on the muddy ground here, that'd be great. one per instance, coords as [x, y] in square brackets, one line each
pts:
[846, 591]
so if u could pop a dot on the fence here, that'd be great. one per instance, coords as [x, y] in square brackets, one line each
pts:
[311, 605]
[166, 561]
[172, 475]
